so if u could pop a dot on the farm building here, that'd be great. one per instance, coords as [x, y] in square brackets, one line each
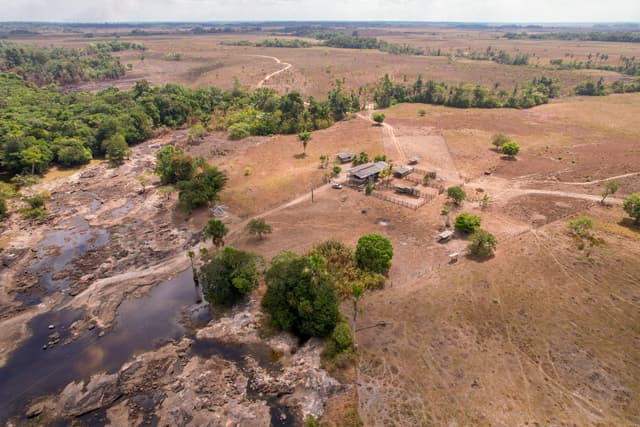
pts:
[367, 172]
[345, 157]
[402, 171]
[413, 160]
[405, 189]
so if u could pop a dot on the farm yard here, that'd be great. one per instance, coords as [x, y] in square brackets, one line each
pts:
[545, 331]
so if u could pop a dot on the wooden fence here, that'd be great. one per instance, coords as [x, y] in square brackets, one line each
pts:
[420, 202]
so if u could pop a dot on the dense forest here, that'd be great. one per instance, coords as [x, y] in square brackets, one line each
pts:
[63, 66]
[596, 36]
[40, 126]
[536, 92]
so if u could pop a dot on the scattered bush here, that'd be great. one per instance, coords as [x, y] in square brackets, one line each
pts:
[457, 194]
[239, 131]
[368, 189]
[422, 112]
[632, 206]
[467, 223]
[483, 244]
[37, 208]
[173, 166]
[340, 341]
[229, 277]
[378, 118]
[581, 226]
[499, 139]
[336, 170]
[3, 207]
[510, 148]
[374, 253]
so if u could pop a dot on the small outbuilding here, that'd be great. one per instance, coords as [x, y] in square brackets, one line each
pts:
[367, 172]
[405, 189]
[413, 160]
[402, 171]
[345, 157]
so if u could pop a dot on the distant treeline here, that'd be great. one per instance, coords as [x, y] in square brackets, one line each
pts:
[599, 36]
[629, 65]
[276, 42]
[536, 92]
[498, 56]
[41, 126]
[62, 65]
[599, 88]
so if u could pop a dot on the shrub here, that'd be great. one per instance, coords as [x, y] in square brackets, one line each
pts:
[300, 296]
[71, 152]
[499, 139]
[632, 206]
[378, 118]
[467, 223]
[368, 189]
[422, 112]
[457, 194]
[229, 277]
[581, 226]
[3, 207]
[336, 170]
[340, 341]
[483, 244]
[510, 148]
[239, 130]
[374, 253]
[248, 170]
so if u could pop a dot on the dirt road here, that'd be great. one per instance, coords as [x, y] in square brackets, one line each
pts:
[275, 73]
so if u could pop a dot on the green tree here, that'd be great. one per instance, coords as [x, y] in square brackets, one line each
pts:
[467, 222]
[510, 148]
[300, 296]
[226, 279]
[73, 154]
[457, 194]
[116, 149]
[202, 188]
[216, 230]
[336, 170]
[499, 139]
[378, 118]
[374, 253]
[482, 243]
[173, 166]
[32, 156]
[610, 187]
[360, 159]
[258, 227]
[485, 201]
[304, 137]
[631, 206]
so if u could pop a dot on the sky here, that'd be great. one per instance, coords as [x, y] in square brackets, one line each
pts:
[537, 11]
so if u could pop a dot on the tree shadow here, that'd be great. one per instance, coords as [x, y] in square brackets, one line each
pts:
[479, 259]
[299, 156]
[630, 224]
[508, 158]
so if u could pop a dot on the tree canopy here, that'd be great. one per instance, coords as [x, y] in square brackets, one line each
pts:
[227, 278]
[467, 223]
[374, 253]
[632, 206]
[300, 296]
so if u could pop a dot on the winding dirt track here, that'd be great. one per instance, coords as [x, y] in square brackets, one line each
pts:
[275, 73]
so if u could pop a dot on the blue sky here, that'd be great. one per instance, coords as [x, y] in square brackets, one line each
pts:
[265, 10]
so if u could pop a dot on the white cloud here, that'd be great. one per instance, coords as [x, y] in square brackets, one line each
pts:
[264, 10]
